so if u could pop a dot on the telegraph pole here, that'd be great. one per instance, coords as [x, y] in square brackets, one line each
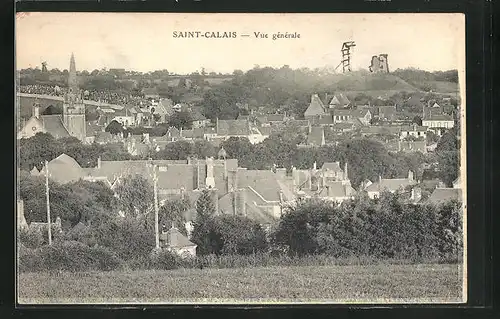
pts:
[155, 180]
[48, 201]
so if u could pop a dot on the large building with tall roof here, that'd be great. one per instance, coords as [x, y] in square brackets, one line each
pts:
[70, 123]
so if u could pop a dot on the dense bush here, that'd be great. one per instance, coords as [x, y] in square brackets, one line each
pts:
[386, 228]
[68, 256]
[131, 238]
[229, 235]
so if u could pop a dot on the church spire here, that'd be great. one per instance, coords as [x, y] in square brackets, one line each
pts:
[72, 80]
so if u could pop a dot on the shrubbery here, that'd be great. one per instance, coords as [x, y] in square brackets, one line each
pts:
[68, 256]
[386, 228]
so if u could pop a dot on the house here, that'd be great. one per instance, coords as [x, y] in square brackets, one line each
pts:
[343, 127]
[329, 183]
[387, 112]
[174, 241]
[358, 116]
[342, 116]
[257, 194]
[443, 195]
[339, 101]
[163, 110]
[391, 185]
[416, 131]
[363, 115]
[150, 93]
[436, 121]
[199, 120]
[237, 128]
[52, 124]
[315, 110]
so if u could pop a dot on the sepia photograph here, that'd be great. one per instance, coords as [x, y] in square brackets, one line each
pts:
[230, 158]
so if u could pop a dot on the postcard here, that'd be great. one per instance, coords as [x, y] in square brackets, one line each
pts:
[189, 158]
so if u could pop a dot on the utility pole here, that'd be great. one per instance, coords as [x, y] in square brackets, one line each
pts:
[48, 201]
[155, 180]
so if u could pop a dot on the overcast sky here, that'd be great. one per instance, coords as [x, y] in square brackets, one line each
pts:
[144, 41]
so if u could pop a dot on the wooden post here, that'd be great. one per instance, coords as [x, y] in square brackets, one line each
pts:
[157, 235]
[48, 201]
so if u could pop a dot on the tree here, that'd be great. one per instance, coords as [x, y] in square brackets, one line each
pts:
[448, 153]
[114, 128]
[34, 151]
[417, 120]
[180, 120]
[203, 149]
[202, 234]
[134, 196]
[173, 211]
[179, 150]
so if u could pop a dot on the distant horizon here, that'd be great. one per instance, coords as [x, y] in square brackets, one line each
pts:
[145, 42]
[231, 72]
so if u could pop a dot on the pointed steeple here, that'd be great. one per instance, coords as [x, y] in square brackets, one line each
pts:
[72, 80]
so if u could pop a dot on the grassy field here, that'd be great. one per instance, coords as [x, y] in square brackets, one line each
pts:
[377, 283]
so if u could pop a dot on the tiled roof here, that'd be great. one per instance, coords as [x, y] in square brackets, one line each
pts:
[315, 137]
[164, 107]
[64, 169]
[197, 116]
[342, 112]
[389, 184]
[187, 133]
[332, 166]
[339, 99]
[395, 130]
[414, 128]
[172, 132]
[233, 127]
[343, 126]
[438, 117]
[360, 112]
[53, 124]
[263, 181]
[316, 107]
[301, 123]
[174, 238]
[440, 195]
[276, 117]
[334, 190]
[326, 120]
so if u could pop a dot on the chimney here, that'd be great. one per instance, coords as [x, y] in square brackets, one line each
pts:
[410, 175]
[36, 110]
[210, 180]
[314, 165]
[99, 162]
[380, 179]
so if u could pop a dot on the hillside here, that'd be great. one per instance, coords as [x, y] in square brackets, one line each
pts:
[361, 82]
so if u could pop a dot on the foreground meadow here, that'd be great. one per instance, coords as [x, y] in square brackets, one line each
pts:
[374, 283]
